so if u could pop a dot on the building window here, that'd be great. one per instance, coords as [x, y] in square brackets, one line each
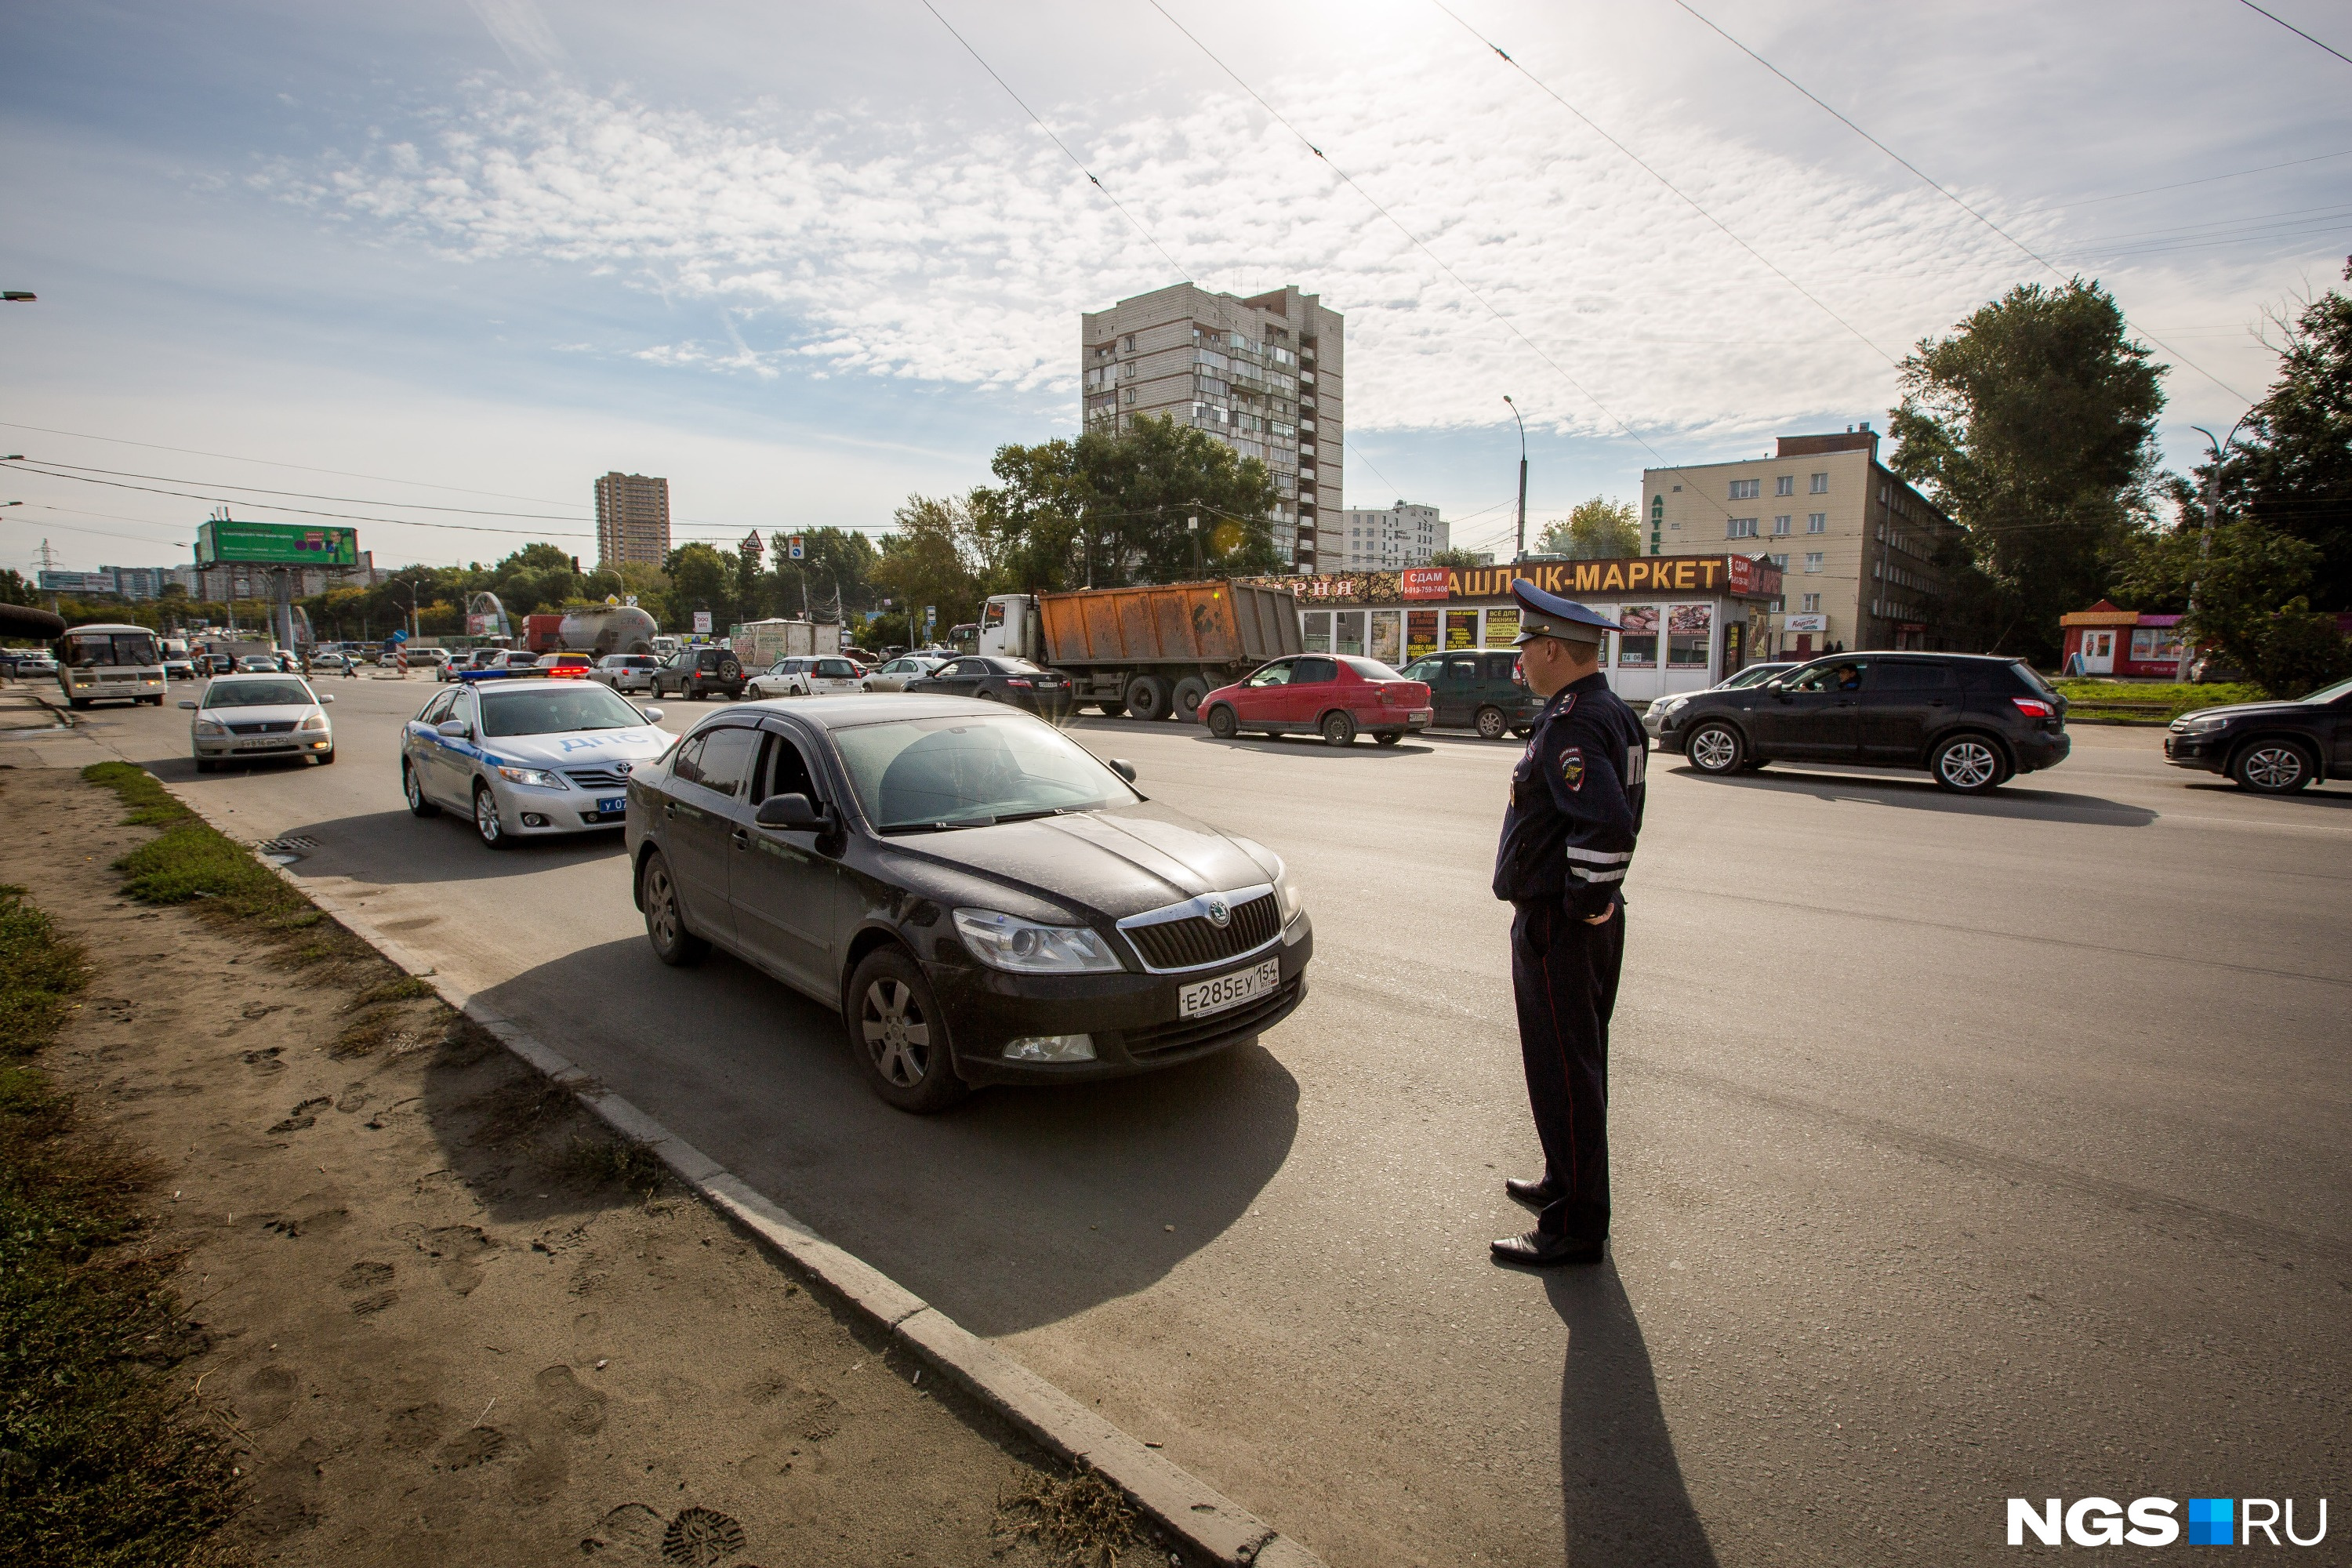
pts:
[1746, 490]
[1779, 561]
[1785, 485]
[1128, 342]
[1739, 528]
[1780, 523]
[1813, 560]
[1820, 484]
[1130, 394]
[1808, 604]
[1817, 522]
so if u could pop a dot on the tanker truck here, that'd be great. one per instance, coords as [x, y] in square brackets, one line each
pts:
[598, 629]
[1150, 652]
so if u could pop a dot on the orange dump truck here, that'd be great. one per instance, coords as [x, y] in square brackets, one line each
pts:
[1150, 652]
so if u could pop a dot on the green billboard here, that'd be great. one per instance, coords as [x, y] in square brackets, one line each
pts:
[276, 544]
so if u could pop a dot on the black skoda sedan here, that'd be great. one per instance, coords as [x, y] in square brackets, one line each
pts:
[983, 899]
[1973, 722]
[996, 679]
[2270, 748]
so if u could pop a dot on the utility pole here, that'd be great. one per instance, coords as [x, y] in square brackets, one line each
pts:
[1522, 554]
[1192, 530]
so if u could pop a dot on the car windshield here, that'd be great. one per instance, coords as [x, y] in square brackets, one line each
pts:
[257, 694]
[565, 706]
[1371, 669]
[2330, 693]
[102, 648]
[912, 773]
[1754, 674]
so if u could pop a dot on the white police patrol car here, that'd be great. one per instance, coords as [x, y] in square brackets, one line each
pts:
[526, 758]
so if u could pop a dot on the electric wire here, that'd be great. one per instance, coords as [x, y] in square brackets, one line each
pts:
[1502, 320]
[1688, 200]
[2298, 31]
[2027, 251]
[307, 495]
[2210, 179]
[1181, 270]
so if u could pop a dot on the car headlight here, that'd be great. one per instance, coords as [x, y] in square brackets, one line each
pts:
[538, 777]
[315, 721]
[1286, 893]
[211, 727]
[2202, 726]
[1024, 947]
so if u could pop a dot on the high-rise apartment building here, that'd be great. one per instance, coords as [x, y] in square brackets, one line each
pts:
[1264, 375]
[1859, 549]
[632, 519]
[1404, 535]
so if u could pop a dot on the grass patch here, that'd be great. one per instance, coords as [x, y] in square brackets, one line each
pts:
[104, 1458]
[190, 860]
[407, 988]
[1081, 1520]
[2097, 699]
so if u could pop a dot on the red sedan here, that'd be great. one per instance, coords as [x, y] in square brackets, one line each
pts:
[1332, 695]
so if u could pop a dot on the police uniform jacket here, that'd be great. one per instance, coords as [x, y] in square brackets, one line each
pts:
[1576, 801]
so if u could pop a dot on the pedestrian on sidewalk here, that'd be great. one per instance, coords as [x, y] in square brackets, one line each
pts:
[1567, 839]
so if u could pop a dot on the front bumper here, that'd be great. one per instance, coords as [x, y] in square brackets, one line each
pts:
[2210, 752]
[117, 688]
[298, 743]
[526, 812]
[1133, 1019]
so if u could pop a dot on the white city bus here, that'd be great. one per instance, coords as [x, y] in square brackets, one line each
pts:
[110, 664]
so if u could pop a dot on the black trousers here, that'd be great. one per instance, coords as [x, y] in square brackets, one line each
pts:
[1564, 978]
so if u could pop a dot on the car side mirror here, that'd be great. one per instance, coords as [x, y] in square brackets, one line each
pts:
[326, 696]
[653, 715]
[190, 707]
[453, 728]
[1123, 768]
[791, 813]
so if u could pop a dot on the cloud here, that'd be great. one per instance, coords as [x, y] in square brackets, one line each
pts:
[933, 251]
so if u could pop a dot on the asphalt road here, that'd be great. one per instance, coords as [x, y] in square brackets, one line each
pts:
[1962, 1150]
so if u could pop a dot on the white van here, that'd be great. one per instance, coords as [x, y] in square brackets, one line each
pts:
[107, 663]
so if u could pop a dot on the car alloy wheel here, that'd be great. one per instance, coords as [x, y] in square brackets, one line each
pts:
[665, 922]
[1222, 722]
[1968, 766]
[1492, 725]
[486, 818]
[900, 1038]
[415, 790]
[1714, 749]
[2272, 767]
[1339, 730]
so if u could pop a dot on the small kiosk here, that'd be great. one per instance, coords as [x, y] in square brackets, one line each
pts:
[1690, 620]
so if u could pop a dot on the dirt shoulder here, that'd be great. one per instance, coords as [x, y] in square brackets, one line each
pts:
[443, 1314]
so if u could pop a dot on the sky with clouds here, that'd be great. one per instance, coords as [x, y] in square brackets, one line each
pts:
[806, 260]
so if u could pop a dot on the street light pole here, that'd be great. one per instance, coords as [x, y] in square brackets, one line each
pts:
[1522, 554]
[2205, 545]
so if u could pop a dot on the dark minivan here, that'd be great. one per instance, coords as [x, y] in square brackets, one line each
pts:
[1972, 722]
[1478, 689]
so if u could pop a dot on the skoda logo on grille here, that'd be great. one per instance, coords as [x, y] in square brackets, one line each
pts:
[1219, 915]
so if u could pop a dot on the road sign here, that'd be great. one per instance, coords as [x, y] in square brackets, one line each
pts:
[219, 541]
[702, 623]
[799, 550]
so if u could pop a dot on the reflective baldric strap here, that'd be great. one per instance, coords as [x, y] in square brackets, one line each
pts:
[1598, 865]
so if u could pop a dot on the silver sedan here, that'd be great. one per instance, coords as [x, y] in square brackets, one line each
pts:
[526, 758]
[254, 717]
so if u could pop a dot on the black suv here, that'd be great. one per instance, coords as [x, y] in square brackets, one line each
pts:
[1971, 721]
[2273, 748]
[1478, 689]
[696, 672]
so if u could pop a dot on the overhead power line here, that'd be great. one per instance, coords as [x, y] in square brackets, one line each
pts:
[307, 495]
[1181, 270]
[1681, 195]
[2210, 179]
[1932, 184]
[2298, 31]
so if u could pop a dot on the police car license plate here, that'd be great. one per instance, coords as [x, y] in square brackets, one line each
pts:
[1207, 996]
[611, 804]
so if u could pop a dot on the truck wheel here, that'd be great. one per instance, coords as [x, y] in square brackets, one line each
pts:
[1147, 697]
[1222, 722]
[1189, 693]
[1338, 729]
[1114, 710]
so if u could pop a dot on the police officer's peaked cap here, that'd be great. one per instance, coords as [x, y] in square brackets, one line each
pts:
[1543, 615]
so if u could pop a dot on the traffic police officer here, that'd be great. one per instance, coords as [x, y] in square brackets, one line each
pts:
[1567, 839]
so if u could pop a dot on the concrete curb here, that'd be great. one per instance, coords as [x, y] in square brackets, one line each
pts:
[1216, 1528]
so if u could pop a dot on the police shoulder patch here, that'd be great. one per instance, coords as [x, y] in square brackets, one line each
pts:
[1571, 766]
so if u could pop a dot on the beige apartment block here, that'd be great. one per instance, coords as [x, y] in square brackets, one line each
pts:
[632, 519]
[1856, 546]
[1403, 535]
[1262, 375]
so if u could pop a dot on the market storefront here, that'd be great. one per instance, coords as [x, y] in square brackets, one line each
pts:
[1690, 620]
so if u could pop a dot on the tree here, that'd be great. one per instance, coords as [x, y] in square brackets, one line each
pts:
[928, 562]
[2032, 426]
[1594, 531]
[15, 589]
[701, 579]
[1459, 560]
[2250, 604]
[2292, 466]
